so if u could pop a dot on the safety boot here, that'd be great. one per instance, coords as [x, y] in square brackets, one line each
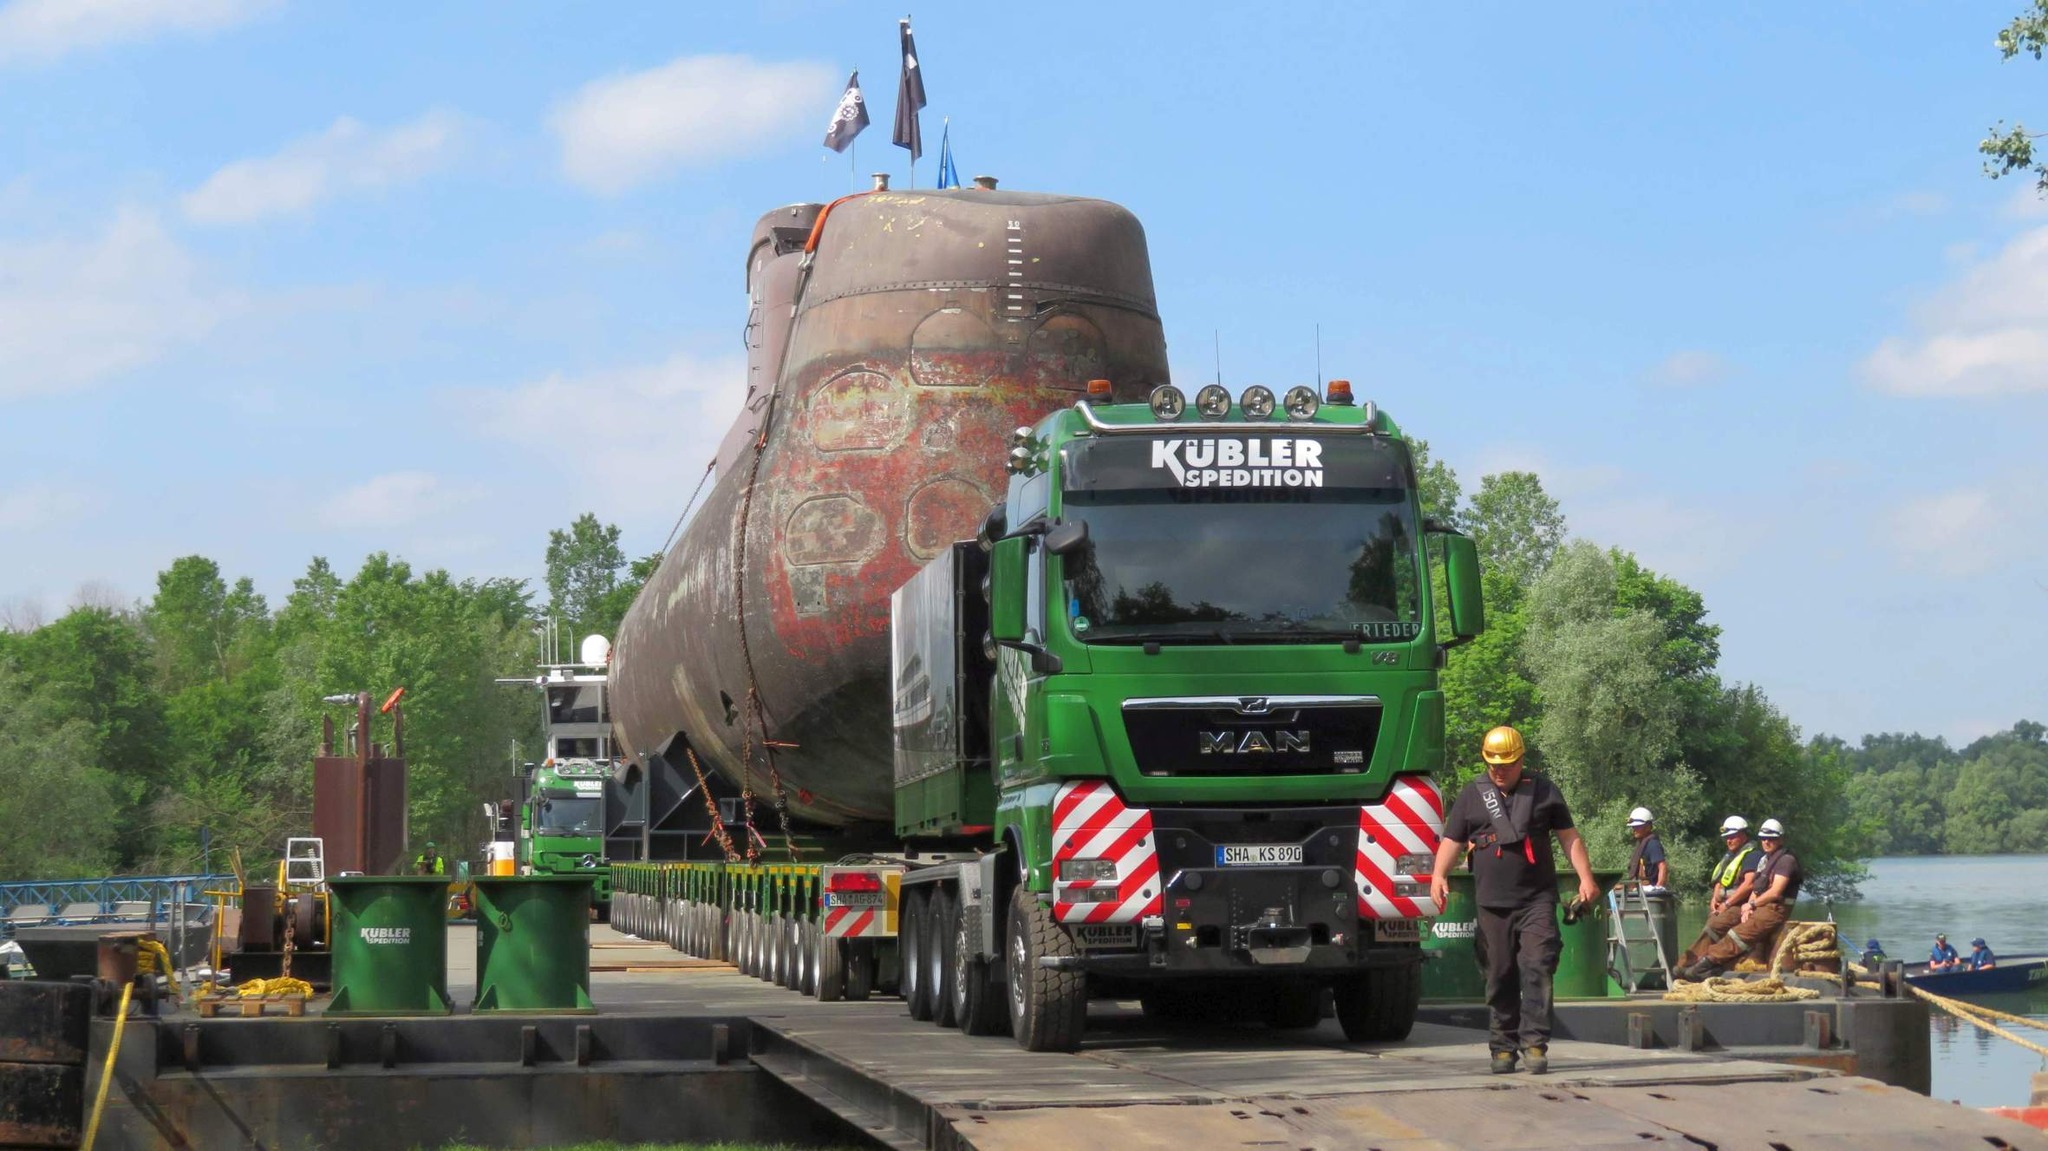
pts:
[1503, 1062]
[1537, 1059]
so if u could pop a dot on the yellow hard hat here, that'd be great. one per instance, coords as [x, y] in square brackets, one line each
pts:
[1502, 745]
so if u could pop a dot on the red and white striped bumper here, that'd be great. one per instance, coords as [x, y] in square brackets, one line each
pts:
[1410, 822]
[1090, 821]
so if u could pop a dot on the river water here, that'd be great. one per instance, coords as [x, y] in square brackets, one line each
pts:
[2003, 898]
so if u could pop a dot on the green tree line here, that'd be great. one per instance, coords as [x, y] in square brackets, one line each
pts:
[1918, 796]
[126, 730]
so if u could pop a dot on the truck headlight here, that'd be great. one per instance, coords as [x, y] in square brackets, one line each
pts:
[1073, 869]
[1094, 895]
[1415, 864]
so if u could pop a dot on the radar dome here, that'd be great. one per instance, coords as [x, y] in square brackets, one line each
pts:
[596, 650]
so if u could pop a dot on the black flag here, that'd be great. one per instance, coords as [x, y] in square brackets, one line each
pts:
[909, 97]
[848, 118]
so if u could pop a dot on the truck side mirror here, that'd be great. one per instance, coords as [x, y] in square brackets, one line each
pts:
[1461, 574]
[1065, 536]
[1006, 581]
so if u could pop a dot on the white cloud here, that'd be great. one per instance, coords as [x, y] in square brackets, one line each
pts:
[1689, 368]
[625, 130]
[26, 509]
[1983, 334]
[347, 158]
[2027, 202]
[1960, 532]
[73, 312]
[47, 29]
[394, 499]
[632, 440]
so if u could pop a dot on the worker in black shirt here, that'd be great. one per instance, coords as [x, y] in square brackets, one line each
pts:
[1506, 818]
[1646, 862]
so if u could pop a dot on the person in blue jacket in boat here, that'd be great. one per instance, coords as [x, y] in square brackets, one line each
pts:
[1980, 956]
[1943, 957]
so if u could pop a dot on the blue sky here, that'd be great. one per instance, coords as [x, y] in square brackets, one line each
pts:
[280, 279]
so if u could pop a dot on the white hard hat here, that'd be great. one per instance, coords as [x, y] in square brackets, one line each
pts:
[1733, 825]
[1640, 817]
[1771, 829]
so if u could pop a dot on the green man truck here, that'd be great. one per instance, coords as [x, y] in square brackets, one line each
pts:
[1166, 730]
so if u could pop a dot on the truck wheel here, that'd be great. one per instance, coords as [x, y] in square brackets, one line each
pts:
[862, 966]
[1379, 1006]
[799, 955]
[1293, 1006]
[750, 934]
[778, 950]
[977, 995]
[829, 961]
[910, 948]
[693, 929]
[1048, 1006]
[941, 976]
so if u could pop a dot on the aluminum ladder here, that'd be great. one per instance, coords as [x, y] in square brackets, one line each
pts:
[1628, 904]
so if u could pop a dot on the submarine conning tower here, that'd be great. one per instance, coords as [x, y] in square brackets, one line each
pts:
[894, 341]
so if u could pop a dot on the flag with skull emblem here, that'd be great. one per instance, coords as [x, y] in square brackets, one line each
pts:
[848, 118]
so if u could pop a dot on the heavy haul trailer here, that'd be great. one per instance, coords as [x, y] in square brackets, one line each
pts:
[1175, 715]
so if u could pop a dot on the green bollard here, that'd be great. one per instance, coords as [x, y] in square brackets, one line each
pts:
[390, 945]
[533, 944]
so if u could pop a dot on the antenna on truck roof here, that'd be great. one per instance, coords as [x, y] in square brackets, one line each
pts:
[1218, 333]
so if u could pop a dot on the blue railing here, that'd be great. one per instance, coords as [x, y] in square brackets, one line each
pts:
[148, 897]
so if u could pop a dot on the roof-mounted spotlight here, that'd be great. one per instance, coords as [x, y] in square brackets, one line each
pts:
[1257, 402]
[1301, 402]
[1020, 458]
[1213, 402]
[1168, 403]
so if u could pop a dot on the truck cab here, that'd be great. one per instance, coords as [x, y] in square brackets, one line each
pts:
[1196, 709]
[561, 810]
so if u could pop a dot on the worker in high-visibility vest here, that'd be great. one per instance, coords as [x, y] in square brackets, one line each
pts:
[430, 862]
[1734, 877]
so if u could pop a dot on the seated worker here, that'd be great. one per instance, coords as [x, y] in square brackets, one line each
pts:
[1734, 879]
[1943, 956]
[1646, 862]
[1980, 956]
[1778, 879]
[1873, 954]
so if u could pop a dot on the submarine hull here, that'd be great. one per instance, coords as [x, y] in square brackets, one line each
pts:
[895, 341]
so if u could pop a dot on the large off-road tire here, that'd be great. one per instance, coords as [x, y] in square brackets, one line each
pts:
[795, 955]
[940, 973]
[910, 948]
[1048, 1006]
[1292, 1005]
[977, 994]
[1379, 1006]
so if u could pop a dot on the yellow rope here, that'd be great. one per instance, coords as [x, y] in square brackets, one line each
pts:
[1980, 1017]
[99, 1103]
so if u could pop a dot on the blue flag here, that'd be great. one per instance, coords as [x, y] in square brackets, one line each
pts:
[949, 176]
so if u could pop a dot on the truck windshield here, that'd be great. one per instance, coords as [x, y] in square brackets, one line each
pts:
[569, 815]
[1265, 539]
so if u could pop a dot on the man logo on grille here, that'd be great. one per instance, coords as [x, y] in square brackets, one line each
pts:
[1250, 742]
[1253, 705]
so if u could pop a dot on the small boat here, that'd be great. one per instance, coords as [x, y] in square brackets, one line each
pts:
[2017, 973]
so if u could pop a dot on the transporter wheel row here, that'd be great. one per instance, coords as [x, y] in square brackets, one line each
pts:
[943, 980]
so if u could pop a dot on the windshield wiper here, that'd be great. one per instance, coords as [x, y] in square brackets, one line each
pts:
[1175, 637]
